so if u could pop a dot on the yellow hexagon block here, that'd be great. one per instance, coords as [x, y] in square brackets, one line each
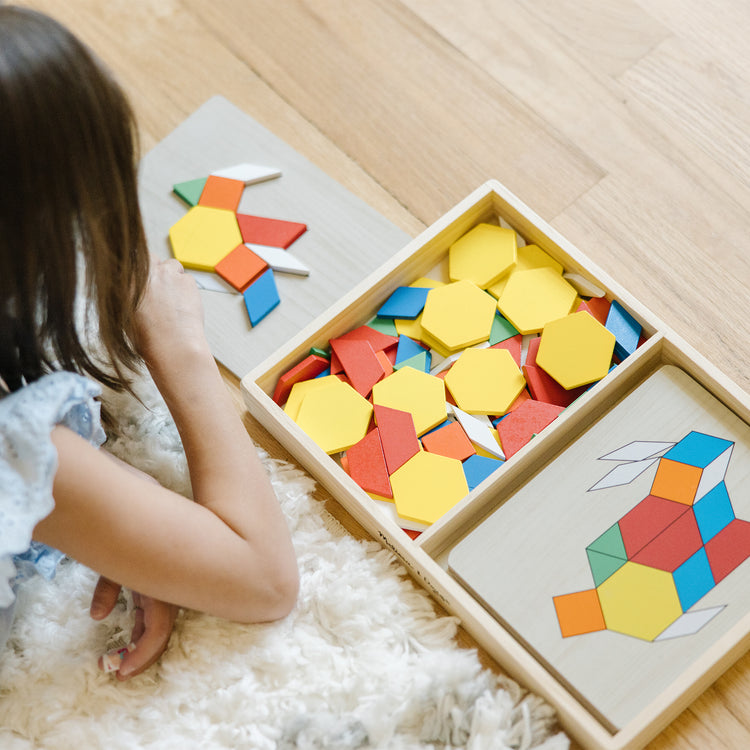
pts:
[419, 393]
[301, 389]
[527, 257]
[413, 328]
[335, 416]
[456, 316]
[203, 236]
[485, 381]
[640, 601]
[482, 255]
[532, 298]
[576, 350]
[427, 486]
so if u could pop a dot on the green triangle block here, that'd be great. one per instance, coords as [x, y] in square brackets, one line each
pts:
[602, 566]
[384, 325]
[190, 191]
[317, 351]
[502, 329]
[610, 543]
[417, 362]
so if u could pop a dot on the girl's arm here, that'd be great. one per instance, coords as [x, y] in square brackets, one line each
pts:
[229, 553]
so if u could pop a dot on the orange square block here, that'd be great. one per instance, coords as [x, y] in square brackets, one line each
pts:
[221, 192]
[241, 267]
[450, 441]
[579, 613]
[676, 481]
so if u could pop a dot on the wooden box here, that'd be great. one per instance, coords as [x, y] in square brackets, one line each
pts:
[531, 477]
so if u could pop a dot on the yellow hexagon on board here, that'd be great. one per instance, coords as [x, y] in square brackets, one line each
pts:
[482, 255]
[419, 393]
[203, 236]
[640, 601]
[527, 257]
[427, 486]
[576, 350]
[334, 416]
[456, 316]
[485, 381]
[532, 298]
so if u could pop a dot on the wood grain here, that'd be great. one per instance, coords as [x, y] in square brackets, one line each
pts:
[622, 122]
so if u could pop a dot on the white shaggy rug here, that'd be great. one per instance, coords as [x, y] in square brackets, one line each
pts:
[362, 662]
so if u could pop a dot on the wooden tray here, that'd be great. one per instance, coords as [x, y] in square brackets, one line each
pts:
[591, 723]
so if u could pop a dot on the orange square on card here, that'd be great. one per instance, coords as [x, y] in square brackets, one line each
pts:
[221, 192]
[241, 267]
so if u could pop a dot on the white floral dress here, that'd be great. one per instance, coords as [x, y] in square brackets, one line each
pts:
[28, 461]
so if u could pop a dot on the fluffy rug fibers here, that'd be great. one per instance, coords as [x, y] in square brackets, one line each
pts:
[363, 661]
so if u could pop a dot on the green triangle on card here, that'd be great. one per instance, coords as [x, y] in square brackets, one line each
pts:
[610, 543]
[502, 329]
[190, 191]
[603, 566]
[384, 325]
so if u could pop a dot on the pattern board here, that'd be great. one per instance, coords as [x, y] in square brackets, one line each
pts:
[661, 533]
[345, 239]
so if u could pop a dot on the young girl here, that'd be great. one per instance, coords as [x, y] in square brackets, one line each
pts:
[72, 250]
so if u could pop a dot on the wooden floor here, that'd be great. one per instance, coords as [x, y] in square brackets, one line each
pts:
[624, 123]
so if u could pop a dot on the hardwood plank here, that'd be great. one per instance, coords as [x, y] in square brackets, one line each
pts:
[609, 34]
[409, 108]
[588, 107]
[717, 29]
[691, 91]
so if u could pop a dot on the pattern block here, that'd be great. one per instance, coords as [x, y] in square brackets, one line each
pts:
[241, 267]
[485, 381]
[576, 350]
[483, 255]
[625, 327]
[261, 297]
[478, 468]
[427, 486]
[335, 417]
[419, 393]
[405, 302]
[221, 192]
[450, 441]
[533, 298]
[203, 236]
[259, 230]
[367, 465]
[456, 316]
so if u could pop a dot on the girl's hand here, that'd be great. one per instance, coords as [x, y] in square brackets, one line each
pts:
[154, 621]
[169, 318]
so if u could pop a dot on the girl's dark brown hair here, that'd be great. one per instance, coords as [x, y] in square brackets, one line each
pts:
[70, 225]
